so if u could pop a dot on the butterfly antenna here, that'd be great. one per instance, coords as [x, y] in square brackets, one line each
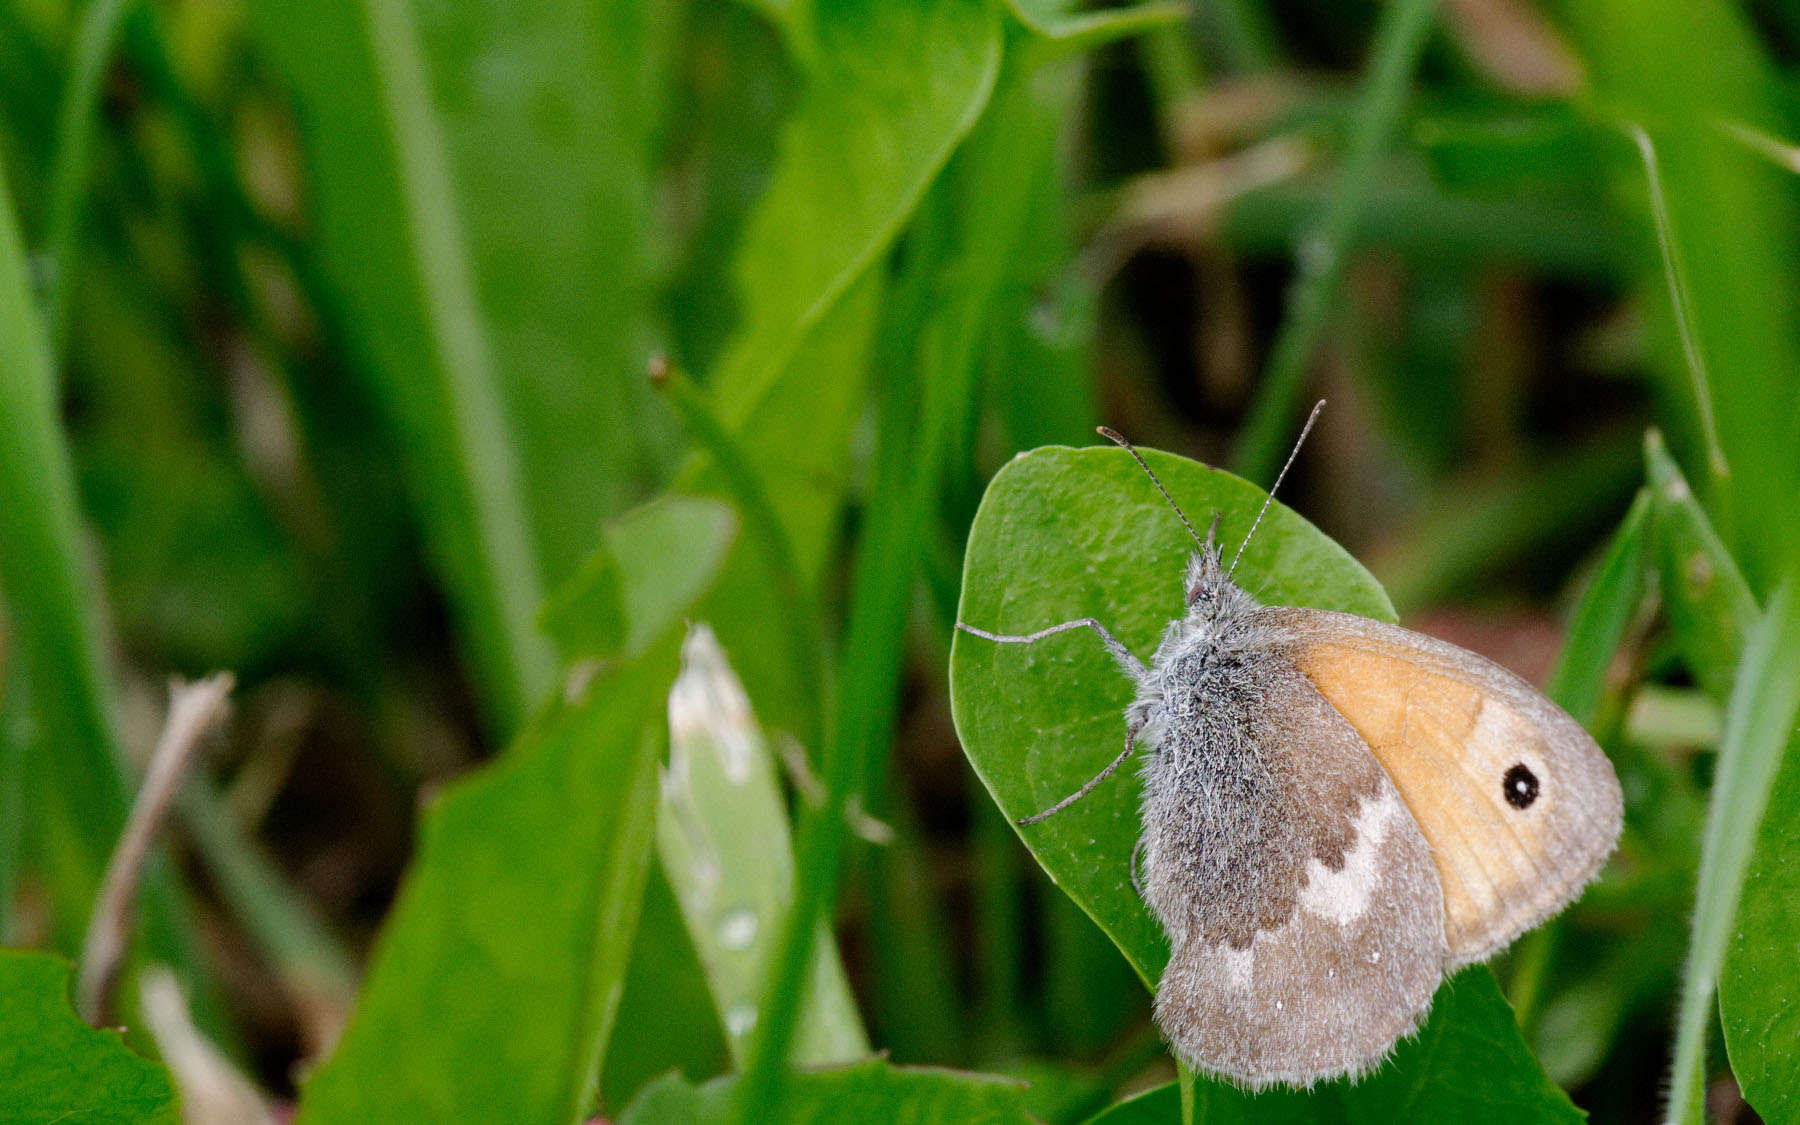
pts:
[1279, 477]
[1118, 439]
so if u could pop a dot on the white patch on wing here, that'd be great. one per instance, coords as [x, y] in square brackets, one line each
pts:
[1343, 895]
[1239, 965]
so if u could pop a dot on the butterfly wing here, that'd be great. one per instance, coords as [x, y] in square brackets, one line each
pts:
[1518, 803]
[1299, 895]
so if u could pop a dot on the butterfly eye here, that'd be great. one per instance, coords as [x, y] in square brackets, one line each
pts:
[1520, 786]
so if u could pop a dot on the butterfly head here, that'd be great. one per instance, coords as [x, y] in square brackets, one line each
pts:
[1211, 594]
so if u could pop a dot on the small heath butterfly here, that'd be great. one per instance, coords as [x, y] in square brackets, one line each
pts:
[1336, 813]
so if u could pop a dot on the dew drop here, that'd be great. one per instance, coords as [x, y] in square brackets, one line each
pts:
[739, 1020]
[737, 930]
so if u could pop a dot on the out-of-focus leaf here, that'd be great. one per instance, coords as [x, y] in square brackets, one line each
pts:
[1496, 152]
[868, 1091]
[1063, 28]
[53, 1067]
[666, 1015]
[503, 962]
[722, 835]
[1730, 218]
[1560, 233]
[898, 86]
[660, 558]
[866, 140]
[1710, 608]
[1759, 723]
[1467, 1064]
[1759, 986]
[552, 112]
[72, 761]
[481, 202]
[1063, 534]
[493, 988]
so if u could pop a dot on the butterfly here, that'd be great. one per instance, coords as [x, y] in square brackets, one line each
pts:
[1336, 812]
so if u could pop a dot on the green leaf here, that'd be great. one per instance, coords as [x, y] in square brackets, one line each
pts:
[71, 774]
[1759, 988]
[498, 974]
[1467, 1064]
[897, 88]
[480, 204]
[1326, 242]
[867, 1091]
[1066, 533]
[54, 1068]
[660, 558]
[867, 139]
[1759, 722]
[1709, 606]
[722, 836]
[1613, 598]
[1718, 223]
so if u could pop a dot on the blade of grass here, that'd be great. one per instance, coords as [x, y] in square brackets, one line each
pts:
[1323, 249]
[1765, 701]
[1709, 605]
[74, 764]
[77, 118]
[1613, 600]
[1680, 298]
[394, 241]
[909, 468]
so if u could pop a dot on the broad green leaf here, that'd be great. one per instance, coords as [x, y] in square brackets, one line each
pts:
[1467, 1064]
[1759, 987]
[1066, 533]
[1709, 606]
[866, 1091]
[53, 1067]
[896, 89]
[494, 986]
[1759, 724]
[722, 836]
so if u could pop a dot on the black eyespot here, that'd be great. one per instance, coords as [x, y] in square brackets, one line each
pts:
[1520, 786]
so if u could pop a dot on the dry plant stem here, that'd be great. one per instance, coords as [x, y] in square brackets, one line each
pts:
[194, 710]
[213, 1092]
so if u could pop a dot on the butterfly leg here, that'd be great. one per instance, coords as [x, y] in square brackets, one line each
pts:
[1137, 859]
[1132, 665]
[1131, 734]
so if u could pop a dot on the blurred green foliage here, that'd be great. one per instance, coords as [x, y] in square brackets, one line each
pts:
[326, 332]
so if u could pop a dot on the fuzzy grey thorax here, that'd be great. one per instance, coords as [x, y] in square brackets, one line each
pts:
[1203, 650]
